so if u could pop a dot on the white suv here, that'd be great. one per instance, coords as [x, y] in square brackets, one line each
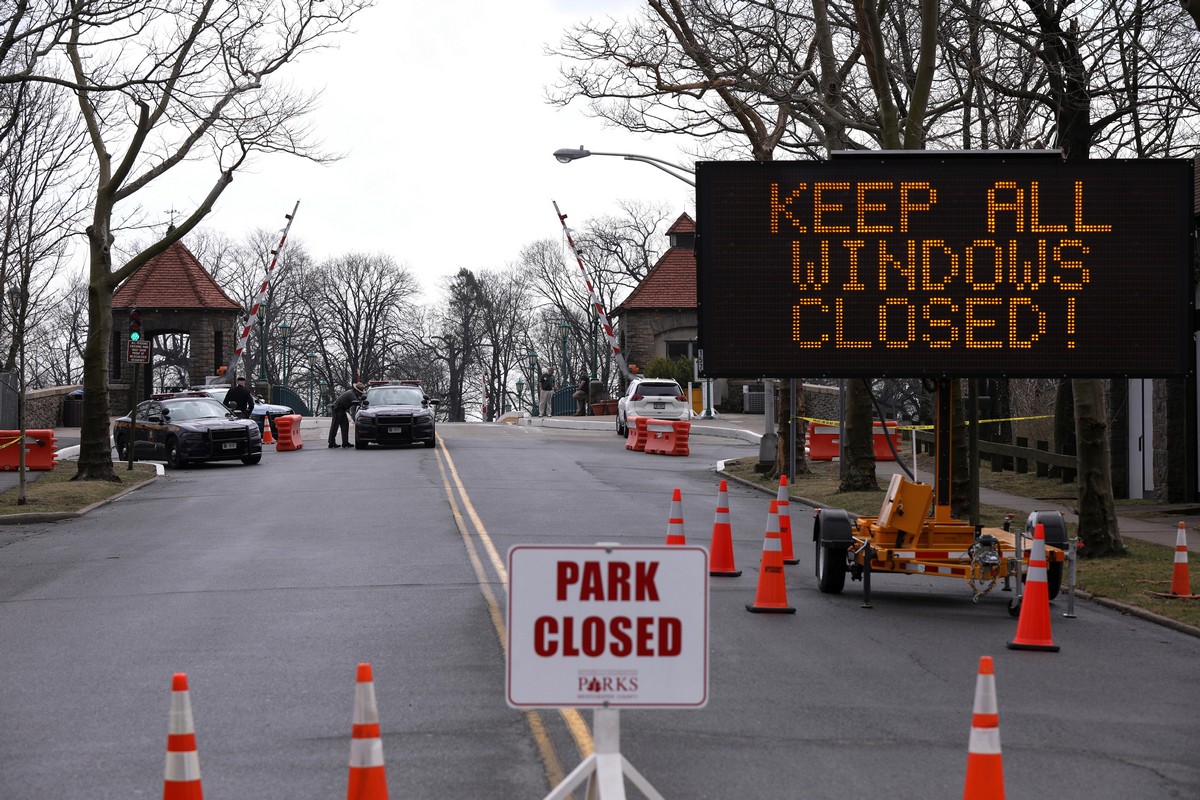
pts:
[660, 398]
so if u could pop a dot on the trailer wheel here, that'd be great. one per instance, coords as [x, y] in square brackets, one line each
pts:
[1055, 529]
[831, 568]
[1054, 574]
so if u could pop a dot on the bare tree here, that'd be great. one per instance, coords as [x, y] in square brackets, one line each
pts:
[202, 84]
[41, 202]
[458, 343]
[352, 308]
[506, 305]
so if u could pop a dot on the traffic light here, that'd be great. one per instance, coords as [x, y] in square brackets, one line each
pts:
[135, 325]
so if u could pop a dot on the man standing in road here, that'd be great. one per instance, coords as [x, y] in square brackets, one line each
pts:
[239, 399]
[546, 394]
[341, 414]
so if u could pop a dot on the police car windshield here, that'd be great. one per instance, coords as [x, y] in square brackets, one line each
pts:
[394, 396]
[195, 408]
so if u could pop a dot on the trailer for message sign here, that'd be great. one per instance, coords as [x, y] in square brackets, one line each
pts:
[905, 538]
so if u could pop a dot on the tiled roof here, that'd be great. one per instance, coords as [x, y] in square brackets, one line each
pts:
[684, 224]
[671, 282]
[172, 279]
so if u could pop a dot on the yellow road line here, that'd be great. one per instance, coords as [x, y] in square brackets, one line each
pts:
[574, 722]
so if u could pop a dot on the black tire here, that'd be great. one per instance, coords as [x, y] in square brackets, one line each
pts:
[251, 460]
[122, 452]
[1056, 536]
[619, 427]
[360, 445]
[1054, 576]
[175, 459]
[831, 568]
[623, 426]
[431, 443]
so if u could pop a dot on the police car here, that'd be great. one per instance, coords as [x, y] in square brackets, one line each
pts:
[395, 413]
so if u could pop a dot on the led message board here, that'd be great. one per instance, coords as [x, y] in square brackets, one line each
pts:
[949, 265]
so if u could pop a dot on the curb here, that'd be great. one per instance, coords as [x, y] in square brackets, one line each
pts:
[1124, 608]
[33, 517]
[1135, 611]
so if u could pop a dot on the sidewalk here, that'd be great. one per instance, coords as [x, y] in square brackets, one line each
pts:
[748, 428]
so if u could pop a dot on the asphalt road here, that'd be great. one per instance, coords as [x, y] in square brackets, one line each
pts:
[268, 584]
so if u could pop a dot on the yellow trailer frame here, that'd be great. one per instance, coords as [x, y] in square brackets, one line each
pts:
[907, 538]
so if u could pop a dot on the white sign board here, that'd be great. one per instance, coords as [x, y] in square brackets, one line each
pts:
[607, 626]
[138, 352]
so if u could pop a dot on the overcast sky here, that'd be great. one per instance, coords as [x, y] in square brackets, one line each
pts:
[440, 111]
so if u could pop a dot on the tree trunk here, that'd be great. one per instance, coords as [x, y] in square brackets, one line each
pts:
[1064, 419]
[95, 455]
[783, 456]
[858, 473]
[1097, 511]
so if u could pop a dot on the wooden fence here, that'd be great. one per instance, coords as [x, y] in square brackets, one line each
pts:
[1016, 457]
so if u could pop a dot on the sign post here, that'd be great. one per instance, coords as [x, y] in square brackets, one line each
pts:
[607, 627]
[136, 352]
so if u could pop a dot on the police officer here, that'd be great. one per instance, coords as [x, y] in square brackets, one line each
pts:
[341, 414]
[239, 399]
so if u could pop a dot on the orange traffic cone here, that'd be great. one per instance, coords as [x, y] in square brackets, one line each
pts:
[267, 437]
[1033, 625]
[785, 522]
[985, 769]
[675, 523]
[367, 778]
[1181, 584]
[720, 552]
[771, 596]
[181, 777]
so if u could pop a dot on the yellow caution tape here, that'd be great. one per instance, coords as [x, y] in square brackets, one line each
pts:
[834, 423]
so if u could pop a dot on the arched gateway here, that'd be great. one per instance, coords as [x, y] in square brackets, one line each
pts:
[175, 294]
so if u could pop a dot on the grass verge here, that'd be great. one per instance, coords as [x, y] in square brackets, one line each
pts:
[1130, 580]
[55, 492]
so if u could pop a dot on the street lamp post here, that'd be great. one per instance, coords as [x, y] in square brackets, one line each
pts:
[312, 365]
[566, 155]
[285, 328]
[15, 297]
[520, 393]
[533, 384]
[564, 328]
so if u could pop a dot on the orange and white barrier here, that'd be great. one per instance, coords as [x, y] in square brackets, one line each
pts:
[289, 433]
[720, 551]
[368, 780]
[636, 438]
[985, 770]
[675, 534]
[181, 776]
[668, 438]
[823, 442]
[40, 450]
[1033, 624]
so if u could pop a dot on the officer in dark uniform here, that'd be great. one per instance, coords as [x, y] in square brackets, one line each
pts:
[341, 414]
[239, 400]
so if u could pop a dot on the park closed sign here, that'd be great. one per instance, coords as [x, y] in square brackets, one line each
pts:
[607, 626]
